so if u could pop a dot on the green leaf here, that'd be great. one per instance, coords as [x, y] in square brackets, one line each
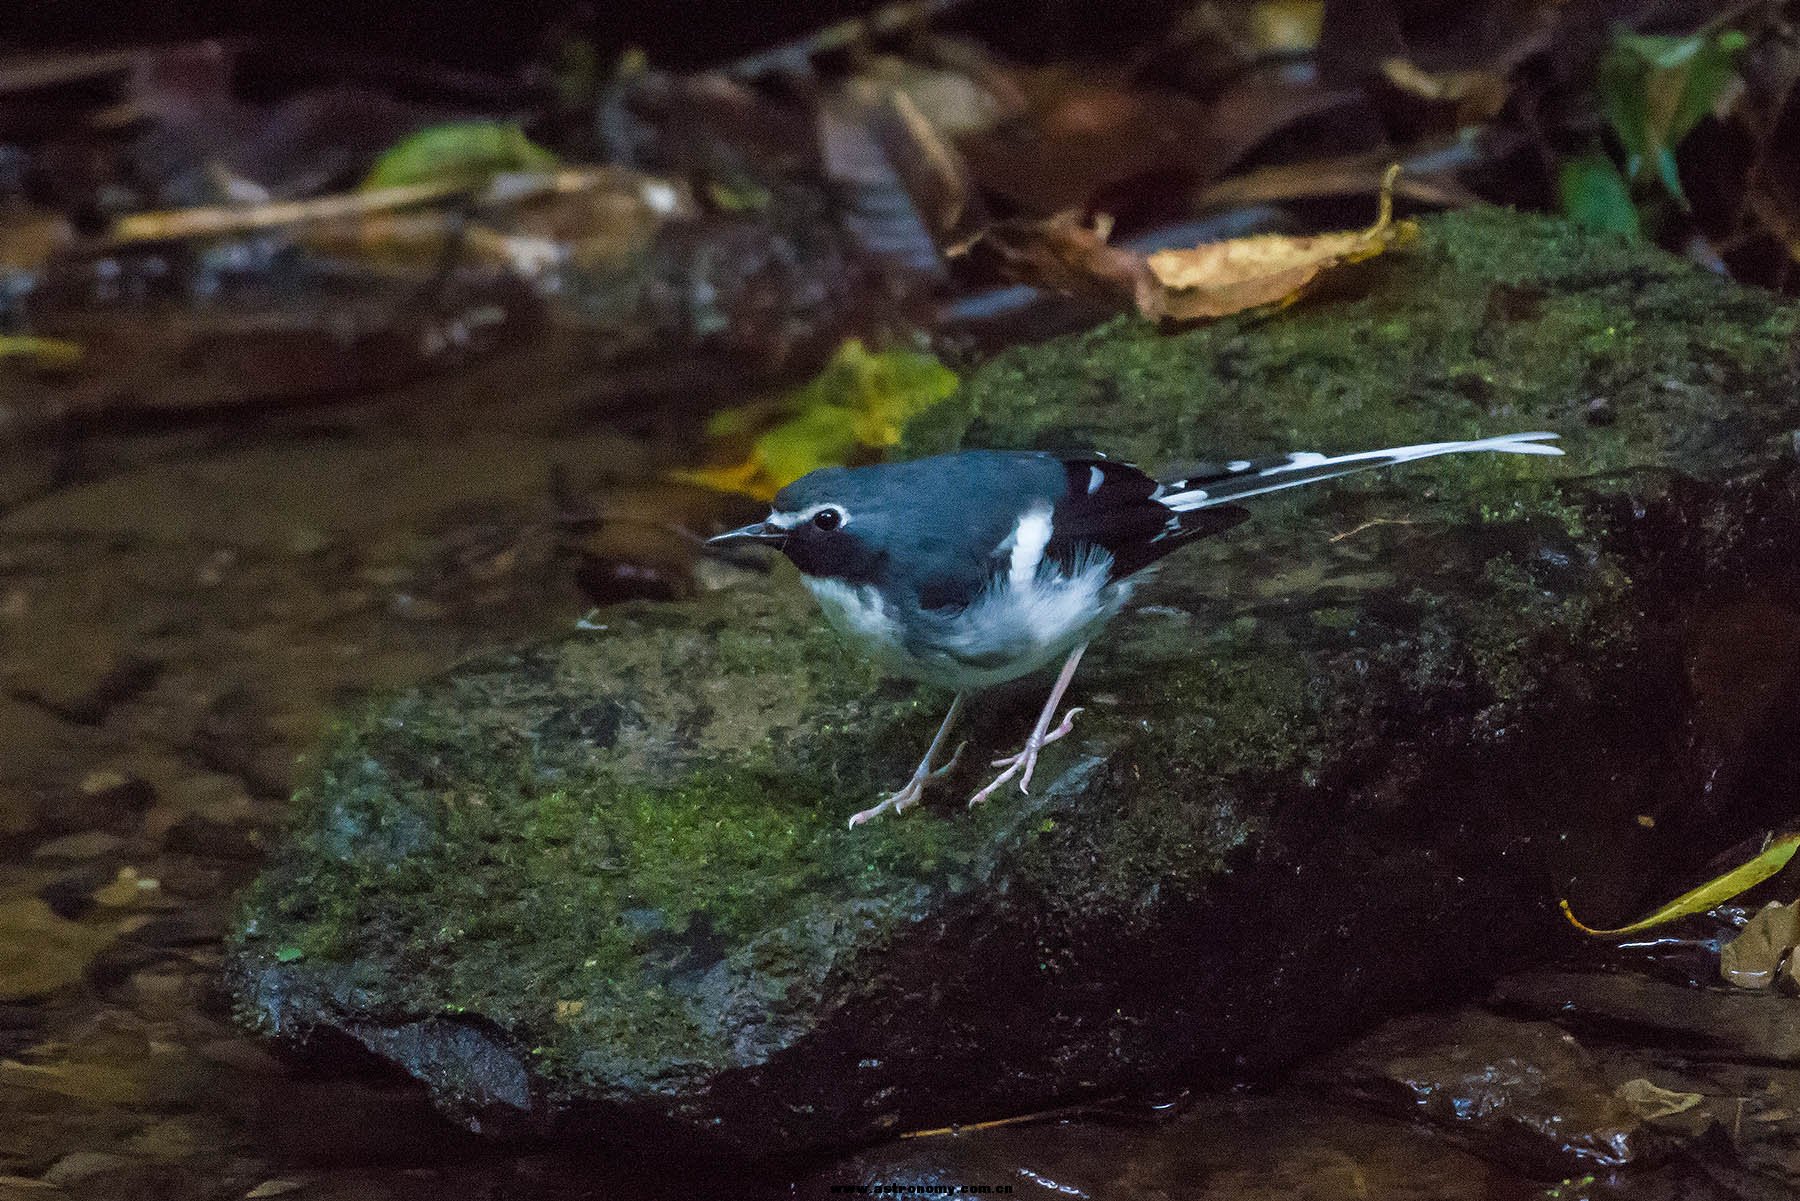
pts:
[1655, 90]
[42, 352]
[289, 955]
[818, 437]
[460, 152]
[1595, 196]
[856, 405]
[1716, 891]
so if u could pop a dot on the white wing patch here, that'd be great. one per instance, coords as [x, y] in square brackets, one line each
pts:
[1029, 538]
[1095, 477]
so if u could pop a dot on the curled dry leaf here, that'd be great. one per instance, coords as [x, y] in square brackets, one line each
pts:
[1062, 254]
[1221, 278]
[1753, 959]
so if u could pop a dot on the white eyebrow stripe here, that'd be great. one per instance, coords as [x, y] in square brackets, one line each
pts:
[787, 521]
[1029, 538]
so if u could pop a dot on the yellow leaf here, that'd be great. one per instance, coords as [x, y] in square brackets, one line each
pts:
[852, 409]
[747, 477]
[1221, 278]
[1286, 26]
[1716, 891]
[1651, 1101]
[44, 352]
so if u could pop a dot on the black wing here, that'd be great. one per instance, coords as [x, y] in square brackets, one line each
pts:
[1112, 506]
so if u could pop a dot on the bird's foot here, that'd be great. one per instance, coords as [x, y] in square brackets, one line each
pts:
[1025, 762]
[908, 796]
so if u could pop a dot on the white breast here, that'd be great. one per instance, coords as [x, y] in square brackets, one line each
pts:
[857, 612]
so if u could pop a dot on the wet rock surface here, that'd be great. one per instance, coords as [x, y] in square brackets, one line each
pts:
[1286, 1145]
[601, 887]
[1755, 1025]
[1526, 1092]
[1475, 1102]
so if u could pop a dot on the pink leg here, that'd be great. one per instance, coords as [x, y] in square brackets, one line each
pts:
[1041, 735]
[915, 787]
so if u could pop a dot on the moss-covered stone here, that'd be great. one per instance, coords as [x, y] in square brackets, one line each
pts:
[1339, 758]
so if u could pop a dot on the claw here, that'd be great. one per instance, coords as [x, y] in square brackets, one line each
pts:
[915, 787]
[1026, 759]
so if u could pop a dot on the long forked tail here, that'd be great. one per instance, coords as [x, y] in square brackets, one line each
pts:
[1244, 479]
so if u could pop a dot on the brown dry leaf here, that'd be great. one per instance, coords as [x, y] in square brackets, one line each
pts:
[1349, 175]
[954, 101]
[1478, 94]
[1772, 188]
[1061, 254]
[28, 238]
[1221, 278]
[1083, 131]
[1753, 959]
[877, 142]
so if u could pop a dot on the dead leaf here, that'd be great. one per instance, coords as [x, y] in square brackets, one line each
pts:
[1350, 175]
[533, 225]
[1772, 188]
[1753, 959]
[902, 173]
[1062, 254]
[1259, 105]
[1478, 94]
[1221, 278]
[973, 97]
[1082, 133]
[1651, 1101]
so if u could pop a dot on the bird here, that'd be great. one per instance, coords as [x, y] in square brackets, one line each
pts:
[975, 568]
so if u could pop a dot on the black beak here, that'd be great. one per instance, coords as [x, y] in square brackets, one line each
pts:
[761, 531]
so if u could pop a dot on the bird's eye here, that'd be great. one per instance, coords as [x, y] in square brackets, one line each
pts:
[828, 519]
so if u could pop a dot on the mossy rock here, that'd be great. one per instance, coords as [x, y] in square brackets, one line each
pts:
[1337, 762]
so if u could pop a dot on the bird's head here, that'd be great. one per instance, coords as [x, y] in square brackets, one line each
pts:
[826, 522]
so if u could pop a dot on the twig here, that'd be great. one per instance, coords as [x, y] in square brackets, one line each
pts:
[243, 218]
[1041, 1115]
[1371, 523]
